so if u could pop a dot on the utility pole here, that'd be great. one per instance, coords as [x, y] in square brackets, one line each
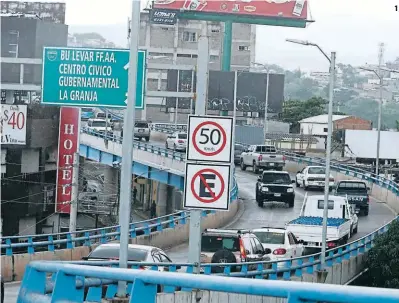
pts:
[194, 246]
[380, 62]
[127, 146]
[74, 194]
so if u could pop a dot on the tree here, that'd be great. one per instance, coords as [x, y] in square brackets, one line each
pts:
[383, 260]
[296, 110]
[397, 125]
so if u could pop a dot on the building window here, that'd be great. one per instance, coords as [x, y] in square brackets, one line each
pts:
[213, 58]
[165, 28]
[187, 56]
[189, 37]
[243, 48]
[325, 129]
[214, 30]
[13, 43]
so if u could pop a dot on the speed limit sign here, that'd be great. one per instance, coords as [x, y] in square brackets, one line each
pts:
[209, 138]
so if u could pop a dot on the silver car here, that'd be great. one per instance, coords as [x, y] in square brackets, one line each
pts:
[142, 130]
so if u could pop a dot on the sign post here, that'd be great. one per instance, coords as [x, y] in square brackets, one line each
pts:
[90, 77]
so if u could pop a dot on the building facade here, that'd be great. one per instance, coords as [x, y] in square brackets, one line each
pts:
[178, 44]
[28, 167]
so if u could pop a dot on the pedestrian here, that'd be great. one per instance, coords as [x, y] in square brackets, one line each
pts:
[153, 210]
[134, 194]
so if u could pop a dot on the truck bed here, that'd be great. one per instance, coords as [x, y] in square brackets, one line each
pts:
[318, 221]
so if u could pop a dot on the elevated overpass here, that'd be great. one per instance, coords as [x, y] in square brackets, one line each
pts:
[344, 263]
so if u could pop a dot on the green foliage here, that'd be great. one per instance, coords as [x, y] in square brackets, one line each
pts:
[296, 110]
[383, 259]
[397, 125]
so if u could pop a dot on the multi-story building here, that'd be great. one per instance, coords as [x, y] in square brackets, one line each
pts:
[178, 44]
[29, 132]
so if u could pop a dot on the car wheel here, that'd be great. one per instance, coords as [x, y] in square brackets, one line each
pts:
[242, 165]
[260, 203]
[174, 146]
[166, 145]
[147, 139]
[296, 183]
[291, 204]
[366, 212]
[304, 186]
[255, 168]
[355, 230]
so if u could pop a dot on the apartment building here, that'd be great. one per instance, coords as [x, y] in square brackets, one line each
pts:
[178, 44]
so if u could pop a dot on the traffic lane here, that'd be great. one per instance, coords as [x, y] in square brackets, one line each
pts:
[272, 214]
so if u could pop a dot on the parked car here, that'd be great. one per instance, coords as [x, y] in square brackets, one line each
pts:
[2, 289]
[142, 130]
[357, 192]
[274, 186]
[177, 141]
[313, 177]
[232, 246]
[262, 157]
[282, 243]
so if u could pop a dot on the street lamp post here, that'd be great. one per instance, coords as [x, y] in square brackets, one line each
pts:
[380, 77]
[328, 151]
[266, 126]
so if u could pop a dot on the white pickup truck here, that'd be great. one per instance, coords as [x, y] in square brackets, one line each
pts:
[342, 222]
[262, 157]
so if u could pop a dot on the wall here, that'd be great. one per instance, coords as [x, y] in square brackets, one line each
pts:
[353, 123]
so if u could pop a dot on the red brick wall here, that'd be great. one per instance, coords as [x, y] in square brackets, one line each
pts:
[353, 123]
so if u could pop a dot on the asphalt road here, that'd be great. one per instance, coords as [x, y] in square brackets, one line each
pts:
[277, 214]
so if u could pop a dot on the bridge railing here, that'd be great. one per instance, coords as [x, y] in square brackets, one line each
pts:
[148, 147]
[71, 283]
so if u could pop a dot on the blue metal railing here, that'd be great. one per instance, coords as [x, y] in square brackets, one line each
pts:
[51, 242]
[72, 283]
[155, 149]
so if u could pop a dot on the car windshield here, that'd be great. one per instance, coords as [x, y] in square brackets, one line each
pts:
[352, 186]
[215, 243]
[182, 136]
[276, 178]
[98, 123]
[270, 237]
[141, 124]
[317, 171]
[112, 252]
[86, 110]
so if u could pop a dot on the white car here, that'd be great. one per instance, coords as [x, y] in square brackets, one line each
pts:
[98, 125]
[177, 141]
[313, 177]
[282, 243]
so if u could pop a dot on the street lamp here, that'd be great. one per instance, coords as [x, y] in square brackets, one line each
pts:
[266, 126]
[380, 77]
[328, 151]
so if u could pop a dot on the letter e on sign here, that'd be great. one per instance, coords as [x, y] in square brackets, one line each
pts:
[209, 138]
[207, 186]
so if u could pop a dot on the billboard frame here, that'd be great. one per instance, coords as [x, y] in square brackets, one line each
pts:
[229, 19]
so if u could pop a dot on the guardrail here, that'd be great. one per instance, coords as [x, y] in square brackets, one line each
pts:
[51, 242]
[158, 150]
[70, 282]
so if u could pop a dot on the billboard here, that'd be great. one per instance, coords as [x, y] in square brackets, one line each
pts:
[297, 9]
[68, 146]
[251, 91]
[13, 124]
[46, 11]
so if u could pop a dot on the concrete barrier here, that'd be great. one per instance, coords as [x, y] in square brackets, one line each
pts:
[13, 267]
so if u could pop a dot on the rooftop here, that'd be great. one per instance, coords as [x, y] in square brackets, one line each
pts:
[322, 119]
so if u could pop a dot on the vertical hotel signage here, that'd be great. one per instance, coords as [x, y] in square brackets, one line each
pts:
[68, 145]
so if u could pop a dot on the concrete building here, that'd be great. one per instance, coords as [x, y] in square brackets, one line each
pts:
[28, 153]
[178, 44]
[318, 125]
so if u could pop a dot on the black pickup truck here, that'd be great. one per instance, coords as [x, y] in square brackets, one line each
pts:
[357, 192]
[275, 186]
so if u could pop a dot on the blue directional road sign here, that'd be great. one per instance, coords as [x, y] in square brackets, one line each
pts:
[90, 77]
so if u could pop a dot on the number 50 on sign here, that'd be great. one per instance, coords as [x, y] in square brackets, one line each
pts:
[209, 138]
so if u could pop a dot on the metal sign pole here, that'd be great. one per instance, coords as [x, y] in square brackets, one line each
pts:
[194, 253]
[127, 146]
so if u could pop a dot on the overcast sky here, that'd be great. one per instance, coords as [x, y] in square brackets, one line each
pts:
[352, 28]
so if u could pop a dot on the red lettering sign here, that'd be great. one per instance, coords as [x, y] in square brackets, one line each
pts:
[68, 145]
